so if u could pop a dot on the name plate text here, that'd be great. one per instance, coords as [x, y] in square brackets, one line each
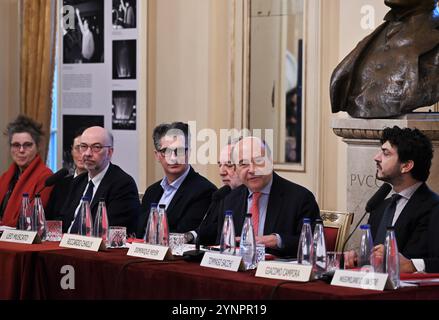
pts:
[75, 241]
[360, 279]
[20, 236]
[221, 261]
[149, 251]
[284, 271]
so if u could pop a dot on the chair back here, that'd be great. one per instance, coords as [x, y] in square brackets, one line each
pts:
[336, 228]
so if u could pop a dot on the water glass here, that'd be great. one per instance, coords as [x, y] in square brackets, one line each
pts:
[260, 252]
[333, 260]
[176, 243]
[117, 237]
[54, 230]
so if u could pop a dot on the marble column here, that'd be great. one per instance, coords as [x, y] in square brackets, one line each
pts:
[362, 138]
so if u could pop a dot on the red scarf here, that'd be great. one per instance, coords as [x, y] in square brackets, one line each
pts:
[31, 181]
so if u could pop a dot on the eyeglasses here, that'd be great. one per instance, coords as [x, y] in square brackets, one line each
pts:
[17, 146]
[95, 148]
[257, 161]
[228, 164]
[168, 152]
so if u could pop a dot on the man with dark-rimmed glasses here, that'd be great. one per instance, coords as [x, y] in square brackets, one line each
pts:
[103, 180]
[184, 192]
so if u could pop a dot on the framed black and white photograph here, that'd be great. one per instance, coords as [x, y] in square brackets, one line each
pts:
[124, 14]
[124, 59]
[84, 41]
[71, 124]
[124, 112]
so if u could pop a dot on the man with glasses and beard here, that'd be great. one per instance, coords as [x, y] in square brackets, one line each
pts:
[103, 180]
[184, 192]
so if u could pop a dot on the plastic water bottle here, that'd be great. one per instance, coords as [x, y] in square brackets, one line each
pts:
[86, 220]
[305, 248]
[163, 229]
[247, 245]
[319, 250]
[152, 225]
[101, 224]
[227, 242]
[391, 258]
[366, 246]
[39, 218]
[24, 222]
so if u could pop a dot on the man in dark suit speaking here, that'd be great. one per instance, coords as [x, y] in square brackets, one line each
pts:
[102, 180]
[404, 161]
[186, 194]
[278, 206]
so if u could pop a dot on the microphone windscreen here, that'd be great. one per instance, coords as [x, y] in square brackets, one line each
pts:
[221, 193]
[378, 197]
[57, 176]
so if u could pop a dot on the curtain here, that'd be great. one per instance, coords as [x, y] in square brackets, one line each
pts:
[38, 43]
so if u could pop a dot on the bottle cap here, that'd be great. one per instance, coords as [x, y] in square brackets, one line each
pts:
[319, 221]
[390, 228]
[248, 215]
[85, 199]
[26, 195]
[162, 206]
[306, 220]
[153, 205]
[228, 213]
[37, 195]
[365, 226]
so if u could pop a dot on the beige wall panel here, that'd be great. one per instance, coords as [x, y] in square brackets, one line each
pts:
[9, 71]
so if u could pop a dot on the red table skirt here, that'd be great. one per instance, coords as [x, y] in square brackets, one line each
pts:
[17, 268]
[37, 271]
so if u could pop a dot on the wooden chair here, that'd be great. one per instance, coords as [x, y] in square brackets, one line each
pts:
[336, 227]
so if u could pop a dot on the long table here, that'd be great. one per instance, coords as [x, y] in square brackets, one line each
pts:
[17, 264]
[42, 271]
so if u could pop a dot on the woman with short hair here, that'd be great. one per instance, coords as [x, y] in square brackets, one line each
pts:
[27, 173]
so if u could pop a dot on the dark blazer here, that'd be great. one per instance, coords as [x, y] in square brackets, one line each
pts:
[121, 198]
[58, 197]
[412, 225]
[432, 260]
[288, 204]
[186, 209]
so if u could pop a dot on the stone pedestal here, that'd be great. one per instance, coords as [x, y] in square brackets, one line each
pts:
[362, 138]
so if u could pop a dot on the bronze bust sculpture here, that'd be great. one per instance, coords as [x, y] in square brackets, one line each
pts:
[395, 69]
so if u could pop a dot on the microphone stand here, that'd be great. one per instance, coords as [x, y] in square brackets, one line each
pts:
[347, 239]
[197, 254]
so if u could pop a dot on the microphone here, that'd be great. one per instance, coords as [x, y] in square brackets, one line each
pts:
[57, 176]
[54, 179]
[217, 196]
[371, 205]
[220, 194]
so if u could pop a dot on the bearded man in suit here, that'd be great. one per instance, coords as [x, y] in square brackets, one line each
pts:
[103, 180]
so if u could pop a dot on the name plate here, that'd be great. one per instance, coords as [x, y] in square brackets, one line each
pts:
[75, 241]
[359, 279]
[284, 271]
[20, 236]
[221, 261]
[149, 251]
